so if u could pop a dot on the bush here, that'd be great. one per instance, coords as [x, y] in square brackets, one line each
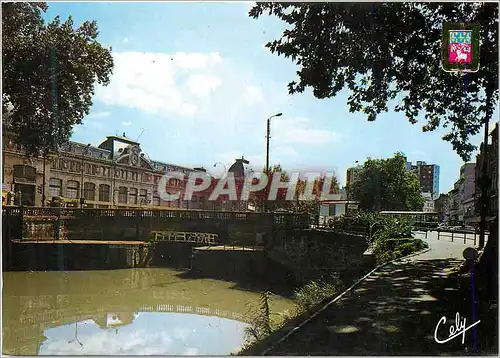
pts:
[394, 227]
[265, 322]
[386, 250]
[380, 226]
[315, 292]
[260, 317]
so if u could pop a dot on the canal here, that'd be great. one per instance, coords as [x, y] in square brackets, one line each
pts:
[147, 311]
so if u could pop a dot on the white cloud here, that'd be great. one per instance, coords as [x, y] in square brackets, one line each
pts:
[297, 130]
[94, 124]
[126, 124]
[125, 40]
[226, 102]
[253, 94]
[108, 343]
[157, 82]
[203, 85]
[251, 4]
[102, 114]
[286, 152]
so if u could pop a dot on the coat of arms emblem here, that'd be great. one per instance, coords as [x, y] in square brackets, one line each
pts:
[460, 46]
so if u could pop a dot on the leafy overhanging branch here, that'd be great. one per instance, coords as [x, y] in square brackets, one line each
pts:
[379, 51]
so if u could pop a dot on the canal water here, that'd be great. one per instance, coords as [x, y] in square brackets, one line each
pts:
[148, 311]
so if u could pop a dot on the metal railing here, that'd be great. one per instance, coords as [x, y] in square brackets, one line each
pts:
[459, 236]
[182, 236]
[284, 219]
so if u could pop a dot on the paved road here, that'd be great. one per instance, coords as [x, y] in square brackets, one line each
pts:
[443, 248]
[395, 311]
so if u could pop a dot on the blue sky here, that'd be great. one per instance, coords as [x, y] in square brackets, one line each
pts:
[197, 82]
[149, 334]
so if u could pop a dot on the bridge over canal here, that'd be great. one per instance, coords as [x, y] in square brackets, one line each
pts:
[140, 225]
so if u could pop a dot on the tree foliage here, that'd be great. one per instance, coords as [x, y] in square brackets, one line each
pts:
[385, 184]
[301, 203]
[392, 51]
[49, 73]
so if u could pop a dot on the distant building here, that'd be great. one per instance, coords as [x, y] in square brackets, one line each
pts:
[466, 190]
[114, 174]
[453, 203]
[441, 208]
[428, 203]
[330, 209]
[492, 173]
[239, 169]
[428, 176]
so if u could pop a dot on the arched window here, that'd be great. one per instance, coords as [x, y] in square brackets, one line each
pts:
[89, 191]
[72, 189]
[122, 195]
[143, 194]
[104, 192]
[55, 187]
[133, 196]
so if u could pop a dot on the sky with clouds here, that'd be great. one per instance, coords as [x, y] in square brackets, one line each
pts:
[149, 334]
[195, 84]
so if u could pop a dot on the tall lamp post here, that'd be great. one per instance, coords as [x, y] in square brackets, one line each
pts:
[268, 136]
[84, 151]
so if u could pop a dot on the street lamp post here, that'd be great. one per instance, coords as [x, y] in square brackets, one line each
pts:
[84, 151]
[268, 136]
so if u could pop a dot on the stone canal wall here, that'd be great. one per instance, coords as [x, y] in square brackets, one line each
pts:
[70, 256]
[229, 263]
[308, 253]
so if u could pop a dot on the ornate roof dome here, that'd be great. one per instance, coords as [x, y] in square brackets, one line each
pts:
[238, 168]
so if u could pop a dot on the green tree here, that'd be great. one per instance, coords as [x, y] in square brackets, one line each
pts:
[304, 205]
[298, 205]
[49, 73]
[260, 198]
[385, 184]
[380, 51]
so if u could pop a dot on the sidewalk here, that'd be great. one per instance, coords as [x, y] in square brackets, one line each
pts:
[395, 312]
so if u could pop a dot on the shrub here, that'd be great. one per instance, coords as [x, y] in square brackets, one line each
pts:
[386, 250]
[314, 292]
[260, 316]
[265, 322]
[394, 227]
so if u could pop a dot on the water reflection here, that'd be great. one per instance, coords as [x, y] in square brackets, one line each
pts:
[135, 311]
[149, 334]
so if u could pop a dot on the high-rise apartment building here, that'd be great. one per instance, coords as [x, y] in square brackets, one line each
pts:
[428, 175]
